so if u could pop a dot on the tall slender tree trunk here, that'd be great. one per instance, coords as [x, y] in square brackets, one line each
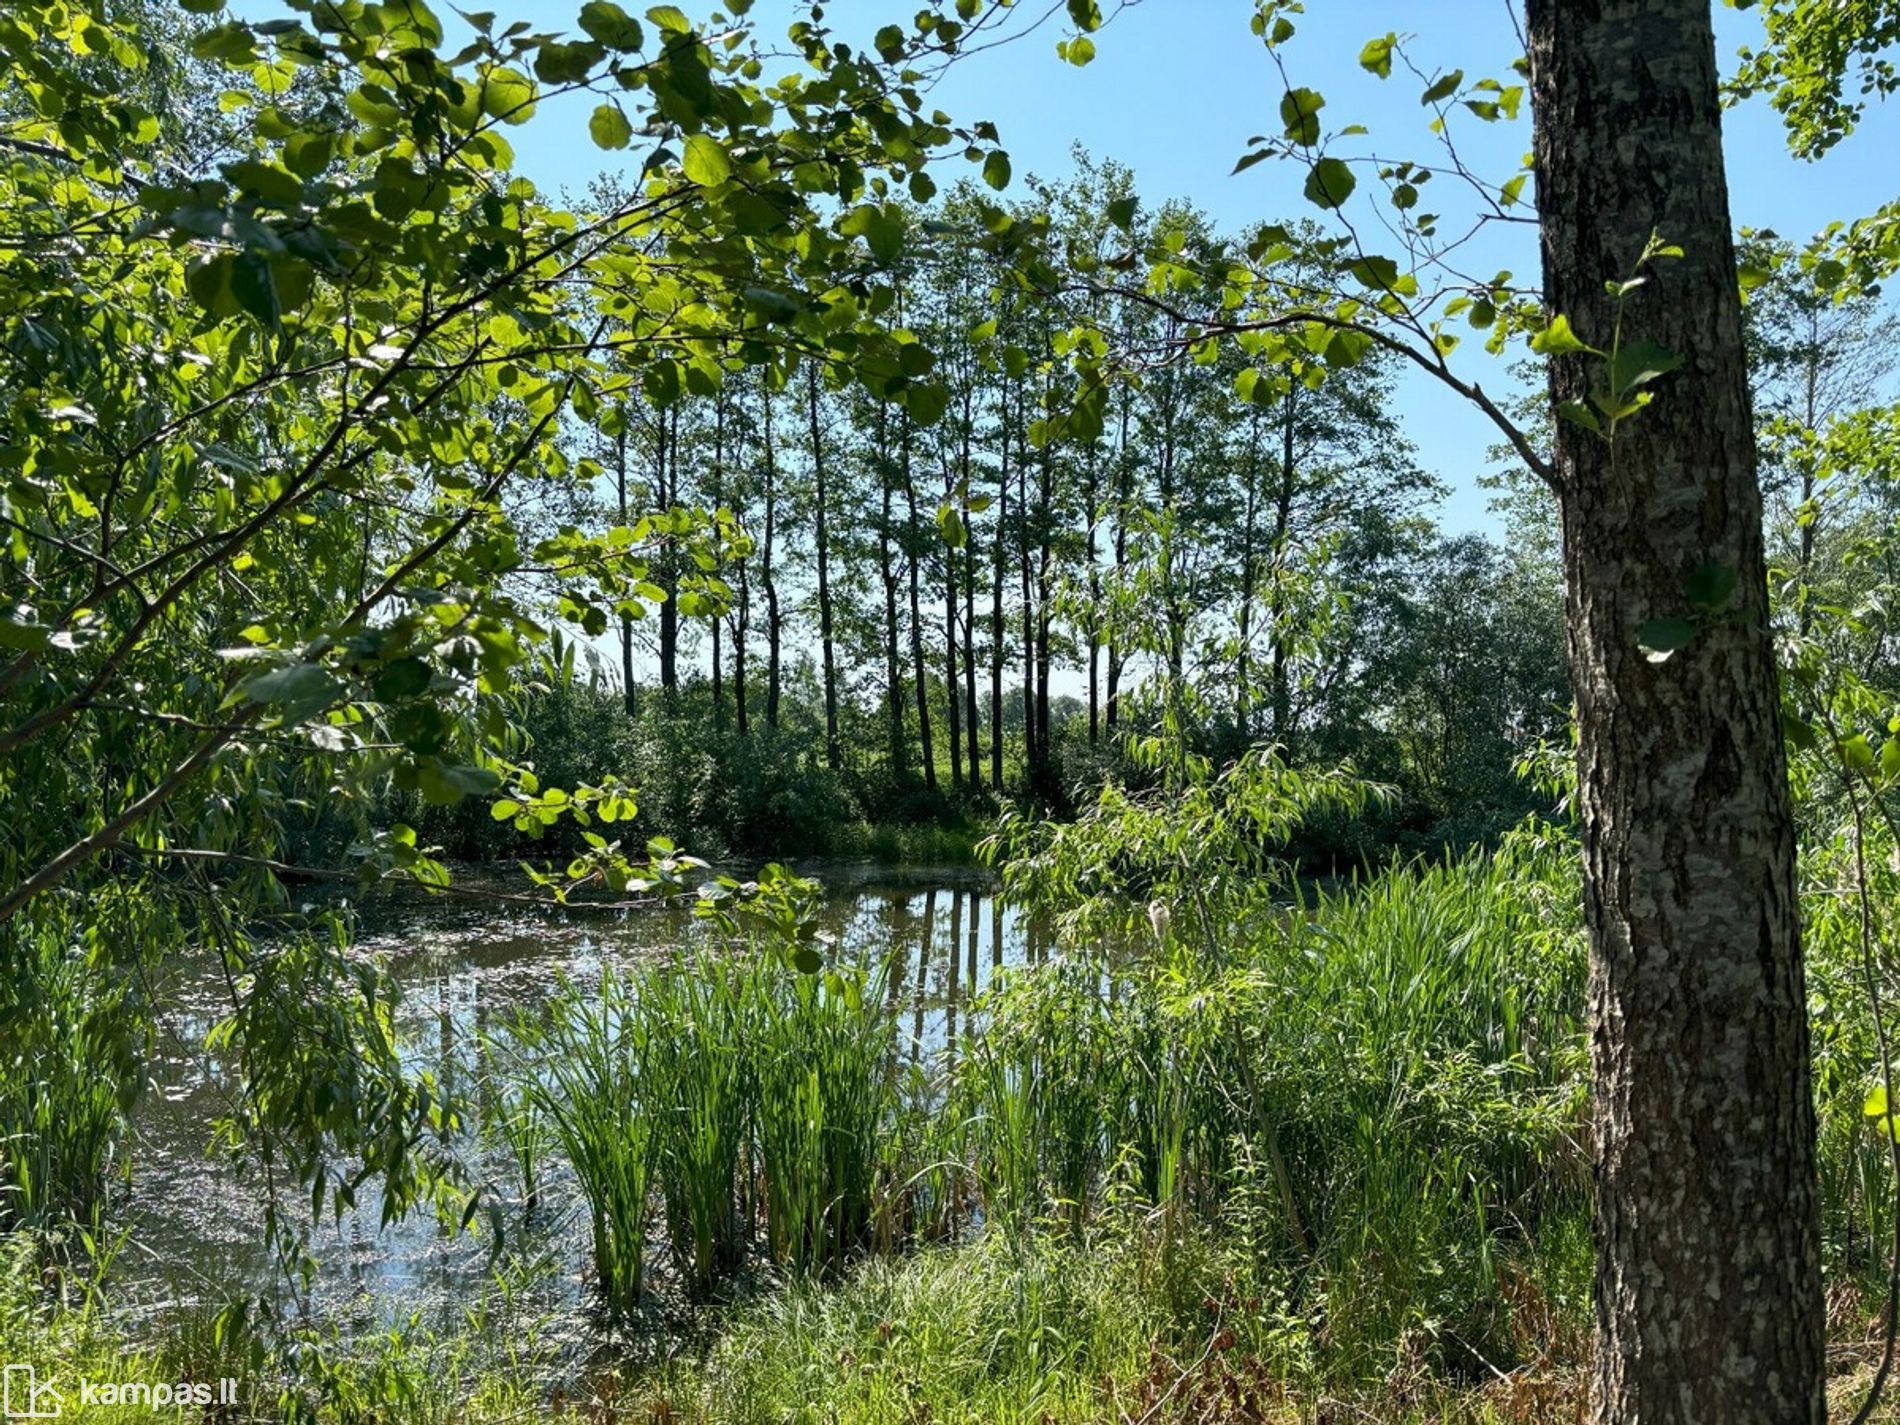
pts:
[1249, 580]
[1708, 1282]
[741, 621]
[898, 748]
[969, 663]
[952, 709]
[921, 669]
[1111, 711]
[1092, 493]
[1279, 679]
[968, 562]
[626, 620]
[828, 653]
[774, 619]
[718, 492]
[1045, 533]
[999, 550]
[1032, 754]
[1811, 524]
[665, 490]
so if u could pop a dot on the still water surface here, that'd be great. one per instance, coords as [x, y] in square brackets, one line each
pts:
[196, 1233]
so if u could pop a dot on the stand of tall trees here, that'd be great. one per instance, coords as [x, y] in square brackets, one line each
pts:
[966, 588]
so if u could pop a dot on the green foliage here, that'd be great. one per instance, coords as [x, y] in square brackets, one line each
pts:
[583, 1077]
[65, 1077]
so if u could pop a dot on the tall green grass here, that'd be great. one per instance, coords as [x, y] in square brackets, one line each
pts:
[827, 1067]
[758, 1104]
[1377, 1088]
[699, 1089]
[66, 1070]
[1389, 1076]
[584, 1079]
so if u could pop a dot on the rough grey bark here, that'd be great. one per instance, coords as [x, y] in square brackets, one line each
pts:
[1708, 1277]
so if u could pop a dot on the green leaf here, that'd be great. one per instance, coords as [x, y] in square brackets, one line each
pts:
[1330, 183]
[403, 678]
[671, 18]
[706, 162]
[1376, 57]
[773, 306]
[609, 127]
[1578, 413]
[308, 153]
[19, 629]
[1557, 339]
[612, 26]
[1299, 111]
[299, 688]
[1660, 637]
[1087, 14]
[1121, 212]
[950, 524]
[1444, 88]
[1801, 736]
[508, 95]
[445, 783]
[926, 404]
[996, 169]
[505, 810]
[255, 288]
[1638, 363]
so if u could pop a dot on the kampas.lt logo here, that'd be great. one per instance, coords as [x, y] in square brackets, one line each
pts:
[27, 1397]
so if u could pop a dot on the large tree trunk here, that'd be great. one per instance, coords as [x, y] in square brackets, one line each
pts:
[1708, 1261]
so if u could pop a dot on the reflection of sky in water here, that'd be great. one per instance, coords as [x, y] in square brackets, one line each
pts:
[468, 971]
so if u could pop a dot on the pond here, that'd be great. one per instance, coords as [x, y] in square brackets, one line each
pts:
[194, 1232]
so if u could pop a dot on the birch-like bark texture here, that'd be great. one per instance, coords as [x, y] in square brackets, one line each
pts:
[1708, 1262]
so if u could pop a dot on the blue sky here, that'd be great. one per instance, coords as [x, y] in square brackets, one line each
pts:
[1177, 87]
